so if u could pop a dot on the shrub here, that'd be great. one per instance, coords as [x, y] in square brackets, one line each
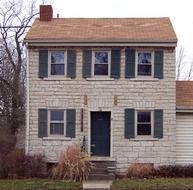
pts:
[140, 170]
[35, 165]
[174, 171]
[3, 169]
[17, 165]
[7, 142]
[72, 165]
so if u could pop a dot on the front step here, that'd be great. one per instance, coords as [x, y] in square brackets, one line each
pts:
[103, 170]
[97, 185]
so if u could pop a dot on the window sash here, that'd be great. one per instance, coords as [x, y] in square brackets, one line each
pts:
[57, 63]
[144, 129]
[52, 51]
[56, 128]
[137, 63]
[94, 63]
[106, 52]
[57, 122]
[144, 123]
[103, 66]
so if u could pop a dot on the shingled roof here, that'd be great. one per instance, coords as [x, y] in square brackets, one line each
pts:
[103, 30]
[184, 94]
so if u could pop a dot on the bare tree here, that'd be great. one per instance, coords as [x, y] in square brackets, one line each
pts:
[180, 63]
[189, 72]
[15, 19]
[184, 66]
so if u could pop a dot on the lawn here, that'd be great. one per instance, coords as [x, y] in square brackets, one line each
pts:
[38, 184]
[153, 184]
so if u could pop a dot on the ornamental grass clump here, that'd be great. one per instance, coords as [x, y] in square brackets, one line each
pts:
[72, 165]
[140, 170]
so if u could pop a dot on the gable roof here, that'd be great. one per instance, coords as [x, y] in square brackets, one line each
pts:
[103, 30]
[184, 94]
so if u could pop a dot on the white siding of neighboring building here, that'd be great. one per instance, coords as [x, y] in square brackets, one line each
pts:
[184, 138]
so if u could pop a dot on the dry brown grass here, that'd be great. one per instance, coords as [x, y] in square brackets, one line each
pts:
[72, 165]
[140, 170]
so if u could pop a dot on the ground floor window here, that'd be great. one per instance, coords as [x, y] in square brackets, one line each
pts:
[57, 118]
[144, 123]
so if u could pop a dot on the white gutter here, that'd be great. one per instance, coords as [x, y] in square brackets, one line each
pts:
[184, 109]
[27, 104]
[62, 44]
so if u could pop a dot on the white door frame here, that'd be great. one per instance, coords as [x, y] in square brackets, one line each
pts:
[111, 129]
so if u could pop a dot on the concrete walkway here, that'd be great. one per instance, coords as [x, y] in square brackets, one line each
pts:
[97, 184]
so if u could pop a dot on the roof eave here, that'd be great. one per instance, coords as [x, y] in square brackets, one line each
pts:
[184, 109]
[39, 42]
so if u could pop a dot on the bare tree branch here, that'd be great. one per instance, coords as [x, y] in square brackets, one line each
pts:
[180, 63]
[14, 25]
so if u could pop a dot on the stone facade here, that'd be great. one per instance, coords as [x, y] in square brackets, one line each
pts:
[113, 95]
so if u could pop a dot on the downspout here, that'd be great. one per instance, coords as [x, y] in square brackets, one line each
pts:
[27, 104]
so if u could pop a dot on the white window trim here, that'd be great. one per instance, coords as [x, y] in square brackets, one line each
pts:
[49, 121]
[136, 63]
[49, 63]
[152, 124]
[109, 64]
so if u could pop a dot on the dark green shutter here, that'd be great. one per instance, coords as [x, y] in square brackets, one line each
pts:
[158, 123]
[129, 63]
[115, 63]
[129, 123]
[70, 123]
[158, 64]
[71, 63]
[87, 61]
[43, 63]
[42, 123]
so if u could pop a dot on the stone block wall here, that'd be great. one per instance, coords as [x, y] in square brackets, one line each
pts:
[100, 95]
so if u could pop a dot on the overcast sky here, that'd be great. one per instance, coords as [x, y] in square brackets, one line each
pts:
[179, 11]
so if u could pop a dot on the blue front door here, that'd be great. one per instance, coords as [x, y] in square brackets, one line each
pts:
[100, 133]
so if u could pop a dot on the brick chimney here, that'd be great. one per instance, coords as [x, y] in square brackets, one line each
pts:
[46, 13]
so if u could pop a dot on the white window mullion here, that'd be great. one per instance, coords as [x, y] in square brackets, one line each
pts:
[64, 122]
[152, 123]
[49, 122]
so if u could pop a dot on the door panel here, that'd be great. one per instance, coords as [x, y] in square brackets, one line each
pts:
[100, 133]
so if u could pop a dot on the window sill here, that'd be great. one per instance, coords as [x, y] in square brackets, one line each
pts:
[144, 79]
[57, 138]
[144, 139]
[100, 79]
[57, 78]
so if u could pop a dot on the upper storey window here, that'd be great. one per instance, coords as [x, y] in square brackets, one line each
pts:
[144, 63]
[101, 63]
[57, 63]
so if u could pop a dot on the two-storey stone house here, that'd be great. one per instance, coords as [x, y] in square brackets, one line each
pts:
[108, 82]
